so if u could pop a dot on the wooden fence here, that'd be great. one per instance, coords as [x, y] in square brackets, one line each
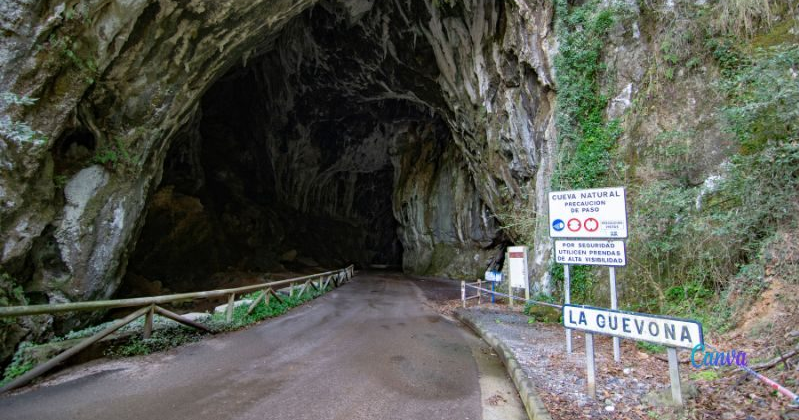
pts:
[149, 306]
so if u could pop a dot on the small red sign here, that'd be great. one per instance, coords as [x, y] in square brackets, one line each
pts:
[517, 254]
[591, 224]
[574, 225]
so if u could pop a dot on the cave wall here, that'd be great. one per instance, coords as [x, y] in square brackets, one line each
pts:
[129, 73]
[129, 76]
[322, 140]
[352, 87]
[462, 95]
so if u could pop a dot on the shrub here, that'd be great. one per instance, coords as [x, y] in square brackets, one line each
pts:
[19, 364]
[763, 98]
[19, 131]
[691, 244]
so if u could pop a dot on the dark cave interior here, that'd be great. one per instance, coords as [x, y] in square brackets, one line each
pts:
[292, 161]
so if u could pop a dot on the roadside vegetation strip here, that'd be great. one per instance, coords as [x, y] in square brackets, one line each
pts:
[143, 338]
[14, 311]
[532, 402]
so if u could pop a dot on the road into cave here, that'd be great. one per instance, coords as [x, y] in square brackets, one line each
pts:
[373, 349]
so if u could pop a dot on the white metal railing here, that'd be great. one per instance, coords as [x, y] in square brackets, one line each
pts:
[478, 286]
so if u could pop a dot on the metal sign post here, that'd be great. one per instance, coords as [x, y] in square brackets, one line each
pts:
[567, 298]
[674, 376]
[584, 217]
[591, 252]
[614, 305]
[590, 368]
[671, 332]
[493, 277]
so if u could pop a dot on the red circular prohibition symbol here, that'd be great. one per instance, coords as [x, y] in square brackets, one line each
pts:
[574, 225]
[591, 224]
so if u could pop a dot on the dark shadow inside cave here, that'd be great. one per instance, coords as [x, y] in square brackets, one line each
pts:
[293, 159]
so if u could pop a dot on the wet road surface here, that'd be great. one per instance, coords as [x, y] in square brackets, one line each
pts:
[373, 349]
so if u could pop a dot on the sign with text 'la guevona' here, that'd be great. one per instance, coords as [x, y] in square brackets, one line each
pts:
[581, 252]
[671, 332]
[591, 214]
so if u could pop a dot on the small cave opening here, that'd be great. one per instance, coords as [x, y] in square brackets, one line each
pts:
[304, 159]
[73, 149]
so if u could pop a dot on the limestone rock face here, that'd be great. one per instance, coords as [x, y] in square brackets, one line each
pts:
[114, 79]
[117, 83]
[355, 117]
[174, 139]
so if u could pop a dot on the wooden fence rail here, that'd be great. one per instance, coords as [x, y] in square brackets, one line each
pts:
[15, 311]
[149, 307]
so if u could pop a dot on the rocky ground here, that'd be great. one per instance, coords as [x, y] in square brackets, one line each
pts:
[638, 387]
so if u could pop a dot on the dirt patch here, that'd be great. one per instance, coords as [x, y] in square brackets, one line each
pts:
[496, 399]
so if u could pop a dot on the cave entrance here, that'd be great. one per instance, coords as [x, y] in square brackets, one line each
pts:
[296, 158]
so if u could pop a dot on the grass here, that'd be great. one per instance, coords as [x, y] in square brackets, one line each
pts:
[650, 347]
[743, 17]
[705, 375]
[164, 339]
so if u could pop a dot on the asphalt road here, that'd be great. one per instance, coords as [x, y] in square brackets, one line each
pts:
[373, 349]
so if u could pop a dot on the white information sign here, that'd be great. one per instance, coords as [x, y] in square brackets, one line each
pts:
[517, 264]
[580, 252]
[590, 214]
[672, 332]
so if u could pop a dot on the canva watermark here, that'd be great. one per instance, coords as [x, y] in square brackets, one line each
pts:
[716, 358]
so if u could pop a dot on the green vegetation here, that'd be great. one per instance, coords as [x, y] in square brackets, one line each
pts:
[696, 247]
[11, 293]
[697, 250]
[160, 340]
[19, 131]
[705, 375]
[114, 155]
[69, 47]
[166, 334]
[67, 43]
[541, 313]
[262, 311]
[650, 348]
[175, 335]
[19, 364]
[763, 98]
[586, 139]
[743, 18]
[581, 278]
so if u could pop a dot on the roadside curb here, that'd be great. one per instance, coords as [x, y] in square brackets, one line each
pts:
[532, 402]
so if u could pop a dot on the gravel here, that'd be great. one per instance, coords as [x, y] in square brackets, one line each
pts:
[559, 378]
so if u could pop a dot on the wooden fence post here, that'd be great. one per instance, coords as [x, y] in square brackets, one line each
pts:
[231, 300]
[148, 322]
[44, 367]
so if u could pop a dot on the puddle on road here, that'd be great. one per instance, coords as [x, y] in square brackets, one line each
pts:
[499, 398]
